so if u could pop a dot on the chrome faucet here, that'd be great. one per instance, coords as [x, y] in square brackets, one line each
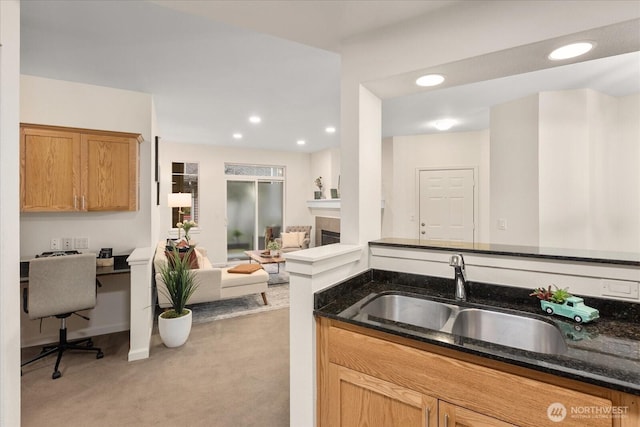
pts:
[457, 262]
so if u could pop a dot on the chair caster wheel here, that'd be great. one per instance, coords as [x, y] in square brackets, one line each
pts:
[100, 355]
[56, 375]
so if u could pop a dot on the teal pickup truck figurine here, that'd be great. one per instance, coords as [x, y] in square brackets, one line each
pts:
[564, 304]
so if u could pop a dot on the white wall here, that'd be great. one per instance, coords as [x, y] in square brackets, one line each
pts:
[589, 148]
[9, 215]
[404, 155]
[514, 172]
[326, 163]
[213, 189]
[61, 103]
[321, 165]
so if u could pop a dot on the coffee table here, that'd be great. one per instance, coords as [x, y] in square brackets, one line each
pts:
[260, 258]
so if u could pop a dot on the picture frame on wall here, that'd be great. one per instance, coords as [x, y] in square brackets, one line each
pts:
[157, 169]
[157, 159]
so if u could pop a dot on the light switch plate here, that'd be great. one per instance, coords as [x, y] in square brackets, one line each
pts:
[81, 242]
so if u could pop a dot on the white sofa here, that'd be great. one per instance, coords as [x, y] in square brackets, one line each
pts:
[213, 283]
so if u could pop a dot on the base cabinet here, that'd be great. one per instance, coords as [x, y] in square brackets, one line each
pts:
[368, 378]
[363, 400]
[455, 416]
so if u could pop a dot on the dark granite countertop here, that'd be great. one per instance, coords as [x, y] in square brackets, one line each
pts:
[605, 352]
[601, 257]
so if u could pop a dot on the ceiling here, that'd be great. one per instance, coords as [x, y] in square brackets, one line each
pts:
[207, 76]
[212, 64]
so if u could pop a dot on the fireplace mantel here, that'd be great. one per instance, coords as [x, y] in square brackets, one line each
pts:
[324, 204]
[329, 204]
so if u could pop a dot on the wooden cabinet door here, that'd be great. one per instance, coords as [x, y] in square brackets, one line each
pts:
[49, 170]
[109, 173]
[456, 416]
[357, 399]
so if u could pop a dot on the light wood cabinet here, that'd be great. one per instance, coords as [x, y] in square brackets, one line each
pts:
[359, 399]
[69, 169]
[371, 378]
[456, 416]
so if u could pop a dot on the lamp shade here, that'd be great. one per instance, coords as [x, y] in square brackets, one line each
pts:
[179, 200]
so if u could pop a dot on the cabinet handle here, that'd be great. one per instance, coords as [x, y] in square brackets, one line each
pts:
[427, 424]
[75, 202]
[83, 202]
[446, 420]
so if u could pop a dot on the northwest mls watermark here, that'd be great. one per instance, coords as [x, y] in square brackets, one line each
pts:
[557, 412]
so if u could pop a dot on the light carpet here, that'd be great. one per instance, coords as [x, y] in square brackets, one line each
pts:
[277, 297]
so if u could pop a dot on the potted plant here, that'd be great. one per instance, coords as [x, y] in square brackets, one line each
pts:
[180, 283]
[186, 226]
[274, 248]
[561, 302]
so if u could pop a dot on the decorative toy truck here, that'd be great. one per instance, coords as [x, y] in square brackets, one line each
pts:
[564, 304]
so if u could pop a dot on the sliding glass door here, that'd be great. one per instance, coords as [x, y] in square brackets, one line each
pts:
[253, 207]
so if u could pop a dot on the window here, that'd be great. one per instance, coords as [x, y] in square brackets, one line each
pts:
[184, 179]
[255, 204]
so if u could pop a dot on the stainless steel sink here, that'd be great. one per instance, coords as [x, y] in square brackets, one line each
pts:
[510, 330]
[395, 311]
[413, 311]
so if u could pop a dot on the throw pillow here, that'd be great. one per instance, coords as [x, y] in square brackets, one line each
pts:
[245, 268]
[290, 240]
[301, 235]
[193, 258]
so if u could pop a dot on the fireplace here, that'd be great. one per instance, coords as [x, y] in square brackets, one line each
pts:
[328, 237]
[327, 230]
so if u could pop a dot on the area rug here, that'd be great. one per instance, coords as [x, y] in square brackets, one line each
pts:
[277, 296]
[277, 275]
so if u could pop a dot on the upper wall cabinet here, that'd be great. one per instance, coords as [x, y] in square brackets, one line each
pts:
[77, 170]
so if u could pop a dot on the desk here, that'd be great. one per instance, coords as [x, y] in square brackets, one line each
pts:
[120, 265]
[110, 315]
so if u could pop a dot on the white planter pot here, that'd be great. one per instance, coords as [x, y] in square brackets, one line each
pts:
[174, 332]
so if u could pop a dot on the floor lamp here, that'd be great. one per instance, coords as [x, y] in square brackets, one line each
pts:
[179, 200]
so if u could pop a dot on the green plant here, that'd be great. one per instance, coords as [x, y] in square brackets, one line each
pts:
[560, 295]
[236, 234]
[273, 245]
[180, 282]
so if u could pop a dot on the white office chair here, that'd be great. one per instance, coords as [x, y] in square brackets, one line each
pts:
[59, 286]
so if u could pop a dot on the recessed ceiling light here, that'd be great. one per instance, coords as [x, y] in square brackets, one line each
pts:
[444, 124]
[301, 142]
[255, 119]
[571, 51]
[237, 136]
[430, 80]
[330, 129]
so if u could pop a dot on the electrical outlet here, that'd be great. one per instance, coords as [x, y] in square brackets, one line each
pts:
[81, 242]
[67, 243]
[55, 244]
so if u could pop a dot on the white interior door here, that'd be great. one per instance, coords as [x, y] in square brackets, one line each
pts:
[446, 205]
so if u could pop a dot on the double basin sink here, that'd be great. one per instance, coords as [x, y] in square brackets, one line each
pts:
[405, 312]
